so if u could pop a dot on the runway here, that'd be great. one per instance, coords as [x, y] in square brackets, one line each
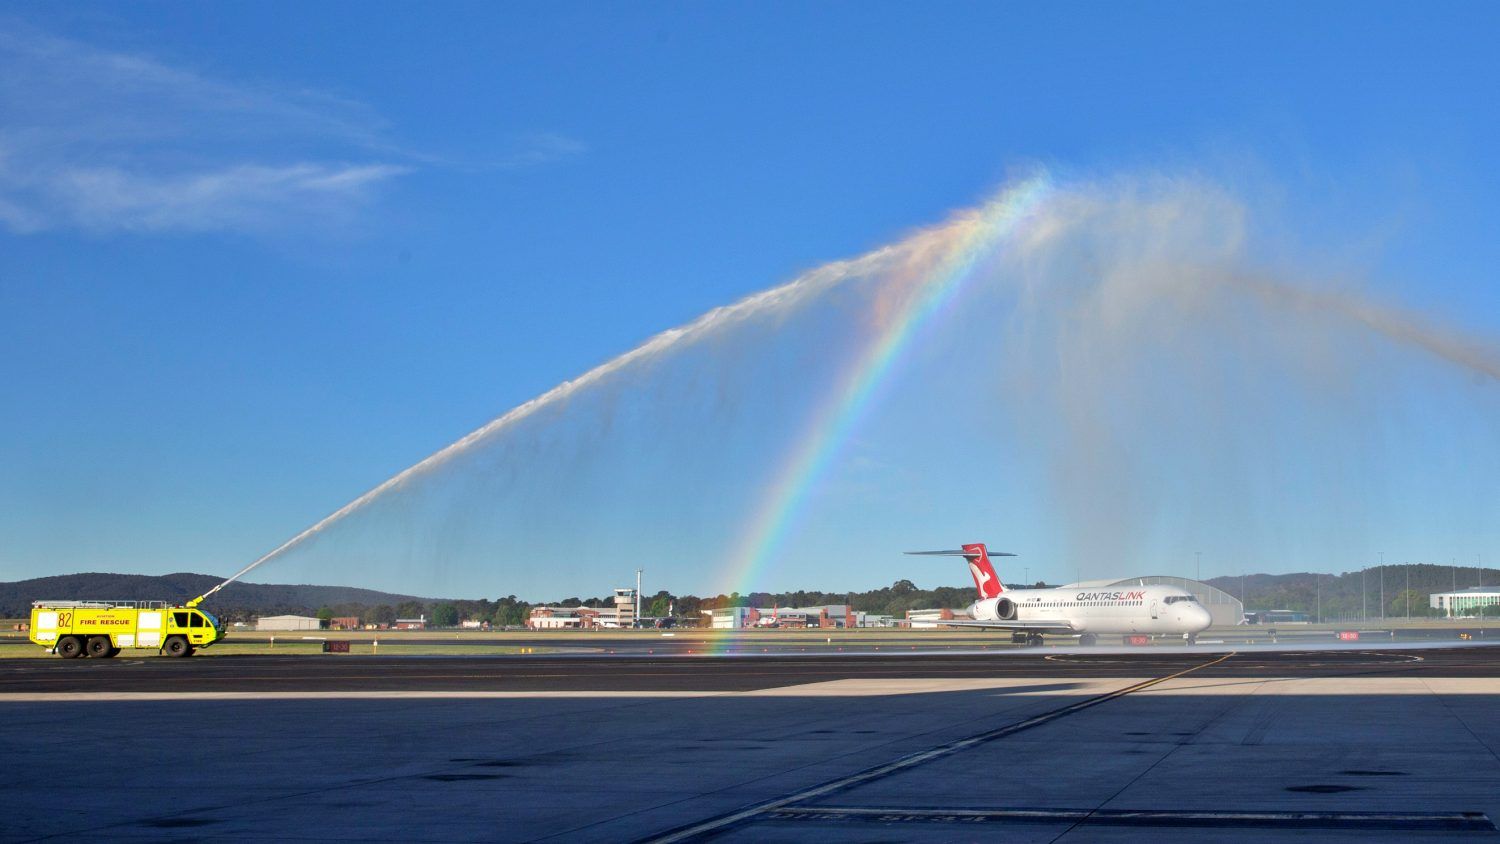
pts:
[629, 673]
[1051, 745]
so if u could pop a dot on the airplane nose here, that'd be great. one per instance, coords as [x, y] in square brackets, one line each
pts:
[1202, 618]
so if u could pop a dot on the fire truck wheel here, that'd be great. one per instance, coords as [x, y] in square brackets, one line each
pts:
[177, 646]
[99, 646]
[69, 647]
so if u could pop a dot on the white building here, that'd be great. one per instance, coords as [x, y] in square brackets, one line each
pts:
[830, 616]
[562, 618]
[287, 622]
[1464, 601]
[731, 618]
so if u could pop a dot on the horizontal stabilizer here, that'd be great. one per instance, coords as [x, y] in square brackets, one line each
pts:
[958, 553]
[986, 580]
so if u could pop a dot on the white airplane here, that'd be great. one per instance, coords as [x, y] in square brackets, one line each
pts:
[1079, 611]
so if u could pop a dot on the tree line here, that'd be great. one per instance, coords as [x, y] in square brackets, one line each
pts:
[511, 611]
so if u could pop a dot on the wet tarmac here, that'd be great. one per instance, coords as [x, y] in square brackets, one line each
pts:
[1355, 744]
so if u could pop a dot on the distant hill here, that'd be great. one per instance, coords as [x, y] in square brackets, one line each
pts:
[257, 598]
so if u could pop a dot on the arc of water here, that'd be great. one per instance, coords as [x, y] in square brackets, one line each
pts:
[777, 298]
[926, 245]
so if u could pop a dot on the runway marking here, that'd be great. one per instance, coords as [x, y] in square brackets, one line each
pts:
[392, 694]
[891, 686]
[713, 825]
[1012, 686]
[871, 687]
[1380, 659]
[1373, 821]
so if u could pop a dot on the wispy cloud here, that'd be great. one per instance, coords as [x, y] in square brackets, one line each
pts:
[536, 148]
[242, 196]
[108, 141]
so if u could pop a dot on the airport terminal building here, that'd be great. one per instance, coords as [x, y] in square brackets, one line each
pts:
[1464, 601]
[625, 613]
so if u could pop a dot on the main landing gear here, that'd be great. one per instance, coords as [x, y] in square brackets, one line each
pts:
[1088, 640]
[1190, 638]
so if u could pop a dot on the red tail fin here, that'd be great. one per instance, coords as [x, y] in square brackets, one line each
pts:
[985, 579]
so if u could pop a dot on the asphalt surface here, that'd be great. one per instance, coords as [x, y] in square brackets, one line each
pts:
[1051, 745]
[681, 673]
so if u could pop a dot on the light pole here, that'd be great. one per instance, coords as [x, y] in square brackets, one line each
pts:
[1382, 586]
[637, 618]
[1318, 579]
[1364, 594]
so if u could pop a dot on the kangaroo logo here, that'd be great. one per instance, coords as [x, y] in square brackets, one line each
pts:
[985, 578]
[981, 577]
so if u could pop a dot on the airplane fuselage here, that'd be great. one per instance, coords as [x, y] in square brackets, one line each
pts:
[1113, 609]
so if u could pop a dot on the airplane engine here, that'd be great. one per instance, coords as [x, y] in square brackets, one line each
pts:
[1005, 609]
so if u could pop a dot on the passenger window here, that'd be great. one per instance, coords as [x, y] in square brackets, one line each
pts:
[180, 618]
[197, 621]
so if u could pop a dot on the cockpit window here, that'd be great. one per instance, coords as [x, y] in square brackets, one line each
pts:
[1172, 599]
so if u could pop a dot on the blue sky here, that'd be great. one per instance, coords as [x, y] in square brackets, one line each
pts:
[256, 258]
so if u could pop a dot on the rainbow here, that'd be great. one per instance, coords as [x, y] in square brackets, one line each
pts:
[923, 286]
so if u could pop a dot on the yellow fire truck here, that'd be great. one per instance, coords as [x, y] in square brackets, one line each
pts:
[101, 629]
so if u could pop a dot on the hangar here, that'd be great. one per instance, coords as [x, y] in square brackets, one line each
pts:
[287, 622]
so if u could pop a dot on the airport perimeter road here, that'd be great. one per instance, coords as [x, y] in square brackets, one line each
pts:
[1345, 745]
[549, 673]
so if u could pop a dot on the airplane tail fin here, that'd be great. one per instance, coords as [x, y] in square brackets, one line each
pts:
[986, 580]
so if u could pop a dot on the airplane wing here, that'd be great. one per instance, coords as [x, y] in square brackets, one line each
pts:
[1032, 626]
